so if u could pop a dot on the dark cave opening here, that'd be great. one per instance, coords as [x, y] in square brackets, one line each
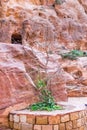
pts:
[16, 38]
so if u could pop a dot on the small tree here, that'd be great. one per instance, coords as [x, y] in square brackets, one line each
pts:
[42, 81]
[42, 78]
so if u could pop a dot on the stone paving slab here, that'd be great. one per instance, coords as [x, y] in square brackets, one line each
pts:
[73, 104]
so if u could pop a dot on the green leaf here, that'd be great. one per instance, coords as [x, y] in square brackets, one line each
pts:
[40, 84]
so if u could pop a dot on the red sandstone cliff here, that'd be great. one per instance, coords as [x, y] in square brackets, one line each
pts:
[42, 25]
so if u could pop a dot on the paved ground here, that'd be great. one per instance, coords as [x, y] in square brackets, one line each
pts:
[72, 105]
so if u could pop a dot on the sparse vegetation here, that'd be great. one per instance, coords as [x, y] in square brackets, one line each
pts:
[42, 79]
[58, 2]
[74, 54]
[47, 100]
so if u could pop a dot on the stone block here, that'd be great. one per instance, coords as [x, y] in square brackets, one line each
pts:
[41, 120]
[83, 121]
[17, 126]
[47, 127]
[11, 124]
[26, 126]
[74, 122]
[56, 127]
[65, 118]
[54, 119]
[82, 128]
[69, 125]
[79, 123]
[11, 117]
[62, 126]
[37, 127]
[81, 114]
[23, 118]
[74, 116]
[16, 118]
[31, 119]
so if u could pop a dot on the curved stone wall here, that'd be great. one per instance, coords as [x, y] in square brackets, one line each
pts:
[76, 120]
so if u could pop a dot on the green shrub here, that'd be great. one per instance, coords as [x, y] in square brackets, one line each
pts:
[47, 100]
[74, 54]
[58, 2]
[44, 106]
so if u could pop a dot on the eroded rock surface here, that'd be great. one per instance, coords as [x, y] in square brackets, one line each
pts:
[18, 72]
[44, 26]
[64, 25]
[77, 69]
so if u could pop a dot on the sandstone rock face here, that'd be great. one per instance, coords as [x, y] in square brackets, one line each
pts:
[77, 69]
[16, 86]
[23, 2]
[45, 26]
[84, 4]
[62, 25]
[18, 71]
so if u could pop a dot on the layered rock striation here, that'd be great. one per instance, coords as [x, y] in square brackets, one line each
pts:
[19, 72]
[39, 22]
[45, 26]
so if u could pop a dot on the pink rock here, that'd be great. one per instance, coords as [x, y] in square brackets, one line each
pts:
[18, 72]
[16, 86]
[65, 25]
[58, 28]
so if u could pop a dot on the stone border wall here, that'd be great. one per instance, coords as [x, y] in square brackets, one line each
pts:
[70, 121]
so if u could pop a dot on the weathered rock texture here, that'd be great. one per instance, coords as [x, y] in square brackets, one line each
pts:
[64, 24]
[18, 72]
[76, 69]
[45, 26]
